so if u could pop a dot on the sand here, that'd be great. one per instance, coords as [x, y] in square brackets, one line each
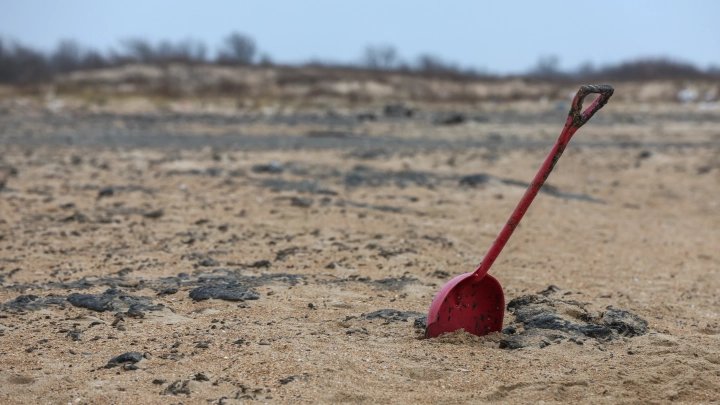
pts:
[315, 235]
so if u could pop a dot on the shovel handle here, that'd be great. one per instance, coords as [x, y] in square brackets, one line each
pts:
[576, 118]
[579, 117]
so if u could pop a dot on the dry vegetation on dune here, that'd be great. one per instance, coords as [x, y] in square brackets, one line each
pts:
[238, 69]
[354, 85]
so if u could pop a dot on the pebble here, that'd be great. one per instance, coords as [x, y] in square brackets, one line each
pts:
[261, 263]
[209, 263]
[178, 387]
[74, 335]
[155, 214]
[129, 357]
[201, 377]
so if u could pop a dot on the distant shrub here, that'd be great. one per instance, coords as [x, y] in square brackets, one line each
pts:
[652, 69]
[434, 64]
[66, 57]
[20, 64]
[237, 48]
[547, 67]
[140, 50]
[380, 57]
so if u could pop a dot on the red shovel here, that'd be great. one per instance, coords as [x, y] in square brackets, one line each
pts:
[475, 301]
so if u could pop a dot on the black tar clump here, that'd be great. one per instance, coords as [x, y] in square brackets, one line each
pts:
[394, 315]
[111, 300]
[545, 319]
[229, 291]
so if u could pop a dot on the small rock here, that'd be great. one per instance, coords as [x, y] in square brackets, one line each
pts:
[550, 290]
[261, 263]
[450, 119]
[106, 192]
[284, 253]
[209, 263]
[168, 291]
[155, 214]
[133, 312]
[301, 202]
[78, 217]
[288, 380]
[327, 134]
[271, 167]
[74, 335]
[441, 274]
[124, 272]
[509, 344]
[201, 377]
[366, 117]
[475, 180]
[397, 110]
[129, 357]
[394, 315]
[177, 388]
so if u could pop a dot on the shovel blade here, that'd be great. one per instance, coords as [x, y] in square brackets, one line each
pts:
[467, 302]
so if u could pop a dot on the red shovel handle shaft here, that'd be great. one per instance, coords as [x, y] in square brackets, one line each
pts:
[576, 119]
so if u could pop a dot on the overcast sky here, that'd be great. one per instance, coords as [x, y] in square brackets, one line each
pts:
[500, 36]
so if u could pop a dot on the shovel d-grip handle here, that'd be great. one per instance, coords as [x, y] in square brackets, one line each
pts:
[576, 118]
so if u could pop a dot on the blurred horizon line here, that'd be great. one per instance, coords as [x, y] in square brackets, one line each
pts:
[20, 63]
